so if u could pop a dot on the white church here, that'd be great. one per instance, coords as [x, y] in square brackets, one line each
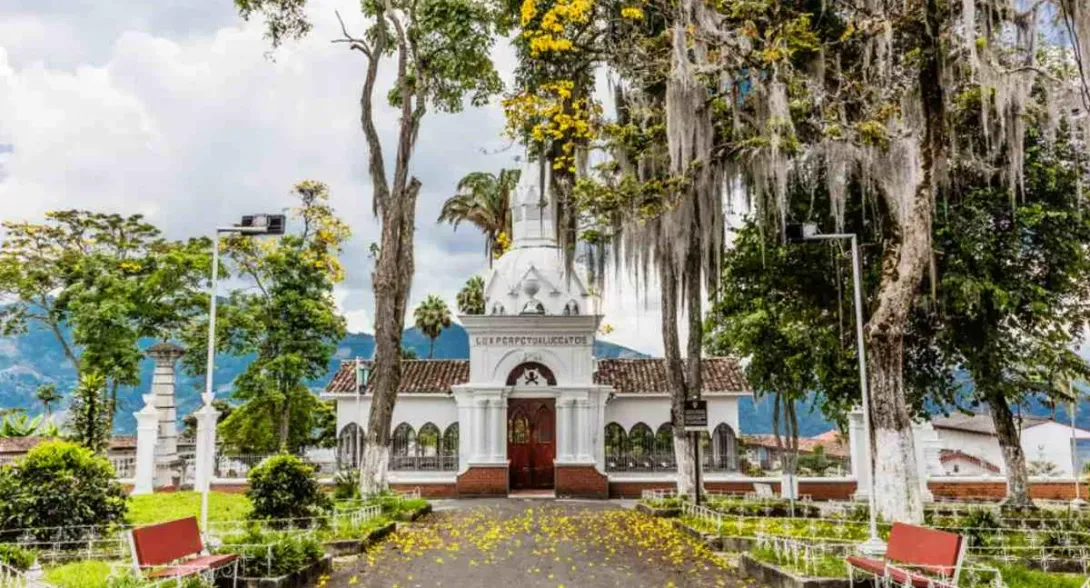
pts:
[532, 410]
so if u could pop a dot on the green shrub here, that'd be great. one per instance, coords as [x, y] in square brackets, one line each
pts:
[266, 554]
[16, 556]
[79, 574]
[285, 487]
[61, 488]
[346, 485]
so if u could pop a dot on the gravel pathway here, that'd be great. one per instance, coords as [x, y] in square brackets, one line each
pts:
[515, 543]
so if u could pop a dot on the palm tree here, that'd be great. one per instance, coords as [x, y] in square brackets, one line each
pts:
[483, 200]
[47, 394]
[432, 316]
[471, 296]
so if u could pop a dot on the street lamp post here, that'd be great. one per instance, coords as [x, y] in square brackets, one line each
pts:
[798, 233]
[261, 224]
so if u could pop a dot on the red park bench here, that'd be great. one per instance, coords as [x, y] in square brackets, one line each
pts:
[916, 556]
[173, 550]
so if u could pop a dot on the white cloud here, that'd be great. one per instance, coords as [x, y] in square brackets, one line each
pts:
[181, 116]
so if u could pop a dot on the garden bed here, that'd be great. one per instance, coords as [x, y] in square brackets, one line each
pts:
[339, 547]
[662, 512]
[777, 577]
[307, 576]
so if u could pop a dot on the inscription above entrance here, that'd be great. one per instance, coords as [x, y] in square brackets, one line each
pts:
[532, 341]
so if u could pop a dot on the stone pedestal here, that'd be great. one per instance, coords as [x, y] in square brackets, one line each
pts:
[927, 456]
[207, 417]
[857, 443]
[147, 434]
[162, 388]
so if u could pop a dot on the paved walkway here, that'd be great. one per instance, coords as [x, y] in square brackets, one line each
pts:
[517, 543]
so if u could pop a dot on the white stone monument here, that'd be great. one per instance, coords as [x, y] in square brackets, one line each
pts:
[162, 387]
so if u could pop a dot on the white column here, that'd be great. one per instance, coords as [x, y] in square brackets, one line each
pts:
[498, 437]
[926, 445]
[582, 407]
[465, 420]
[563, 453]
[480, 434]
[162, 387]
[858, 447]
[147, 433]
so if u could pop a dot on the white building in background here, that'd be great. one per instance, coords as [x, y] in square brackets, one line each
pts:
[532, 409]
[969, 446]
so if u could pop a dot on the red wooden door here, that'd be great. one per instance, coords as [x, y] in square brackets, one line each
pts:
[531, 442]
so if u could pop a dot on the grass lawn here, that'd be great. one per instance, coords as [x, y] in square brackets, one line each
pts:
[146, 509]
[79, 574]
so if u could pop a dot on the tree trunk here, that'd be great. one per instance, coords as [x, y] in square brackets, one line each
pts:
[675, 371]
[284, 426]
[431, 348]
[392, 279]
[896, 482]
[1009, 442]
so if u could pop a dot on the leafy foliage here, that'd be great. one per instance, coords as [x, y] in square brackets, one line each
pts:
[100, 282]
[484, 200]
[89, 415]
[266, 554]
[285, 487]
[60, 489]
[288, 321]
[471, 296]
[16, 556]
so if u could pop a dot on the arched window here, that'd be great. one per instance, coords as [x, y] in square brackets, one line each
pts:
[448, 449]
[571, 308]
[497, 308]
[518, 429]
[664, 448]
[724, 449]
[403, 452]
[349, 446]
[427, 447]
[641, 443]
[616, 447]
[533, 307]
[531, 373]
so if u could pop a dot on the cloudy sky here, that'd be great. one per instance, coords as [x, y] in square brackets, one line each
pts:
[175, 109]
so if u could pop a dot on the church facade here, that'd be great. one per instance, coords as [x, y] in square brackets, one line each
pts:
[532, 409]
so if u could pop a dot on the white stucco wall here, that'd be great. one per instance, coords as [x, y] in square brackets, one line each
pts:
[980, 445]
[415, 409]
[653, 410]
[1051, 442]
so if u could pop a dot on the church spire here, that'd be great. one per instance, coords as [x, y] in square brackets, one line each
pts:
[531, 210]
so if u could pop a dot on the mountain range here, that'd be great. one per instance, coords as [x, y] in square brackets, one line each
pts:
[35, 358]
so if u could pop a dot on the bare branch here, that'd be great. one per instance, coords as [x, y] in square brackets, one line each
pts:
[353, 42]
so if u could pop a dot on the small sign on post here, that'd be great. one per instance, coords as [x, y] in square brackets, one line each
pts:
[696, 415]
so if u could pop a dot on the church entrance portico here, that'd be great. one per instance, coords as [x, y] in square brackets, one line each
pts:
[531, 442]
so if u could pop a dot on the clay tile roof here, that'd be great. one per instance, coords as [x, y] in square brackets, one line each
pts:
[632, 376]
[629, 376]
[417, 376]
[946, 455]
[20, 445]
[831, 441]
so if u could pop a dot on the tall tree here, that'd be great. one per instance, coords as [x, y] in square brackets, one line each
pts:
[48, 395]
[1014, 284]
[100, 283]
[89, 413]
[483, 200]
[287, 320]
[431, 317]
[442, 55]
[471, 297]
